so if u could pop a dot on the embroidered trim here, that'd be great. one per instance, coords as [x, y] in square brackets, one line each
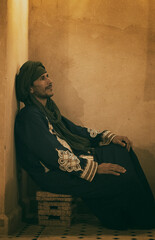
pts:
[93, 172]
[88, 157]
[68, 161]
[45, 168]
[61, 141]
[64, 143]
[107, 137]
[51, 130]
[90, 170]
[93, 132]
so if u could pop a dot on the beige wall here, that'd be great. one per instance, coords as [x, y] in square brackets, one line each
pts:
[14, 49]
[100, 54]
[3, 20]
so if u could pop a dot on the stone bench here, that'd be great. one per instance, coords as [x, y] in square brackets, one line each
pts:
[55, 209]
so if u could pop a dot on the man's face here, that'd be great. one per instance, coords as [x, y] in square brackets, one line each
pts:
[42, 87]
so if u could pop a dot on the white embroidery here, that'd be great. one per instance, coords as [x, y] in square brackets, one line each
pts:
[64, 143]
[68, 161]
[60, 140]
[107, 137]
[88, 157]
[93, 132]
[105, 133]
[51, 130]
[45, 168]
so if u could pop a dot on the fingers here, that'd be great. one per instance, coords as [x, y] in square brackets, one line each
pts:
[113, 173]
[117, 168]
[124, 142]
[109, 168]
[128, 143]
[121, 143]
[116, 173]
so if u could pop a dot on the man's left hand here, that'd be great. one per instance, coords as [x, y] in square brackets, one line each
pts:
[123, 141]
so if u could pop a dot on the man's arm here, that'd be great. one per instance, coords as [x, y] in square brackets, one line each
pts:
[31, 129]
[96, 138]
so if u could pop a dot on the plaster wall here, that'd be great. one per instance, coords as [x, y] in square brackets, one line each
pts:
[101, 55]
[2, 95]
[14, 49]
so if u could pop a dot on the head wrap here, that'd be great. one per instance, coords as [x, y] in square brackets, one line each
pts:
[28, 73]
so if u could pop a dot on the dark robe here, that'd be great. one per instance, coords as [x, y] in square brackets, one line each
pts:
[120, 202]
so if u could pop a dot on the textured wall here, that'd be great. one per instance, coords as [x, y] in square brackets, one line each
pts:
[3, 20]
[17, 52]
[14, 51]
[100, 54]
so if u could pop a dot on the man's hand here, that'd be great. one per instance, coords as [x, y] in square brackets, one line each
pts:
[109, 168]
[123, 141]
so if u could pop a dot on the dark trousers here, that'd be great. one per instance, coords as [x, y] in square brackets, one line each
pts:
[119, 202]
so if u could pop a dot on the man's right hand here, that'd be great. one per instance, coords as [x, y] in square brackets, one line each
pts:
[110, 168]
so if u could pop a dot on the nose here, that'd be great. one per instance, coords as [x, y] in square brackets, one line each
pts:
[50, 81]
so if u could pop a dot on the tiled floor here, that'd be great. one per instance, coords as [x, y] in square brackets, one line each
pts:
[78, 231]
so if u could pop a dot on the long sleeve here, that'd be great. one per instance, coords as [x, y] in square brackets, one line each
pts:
[96, 138]
[36, 147]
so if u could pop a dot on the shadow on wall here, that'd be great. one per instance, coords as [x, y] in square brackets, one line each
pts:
[27, 195]
[147, 160]
[66, 96]
[56, 55]
[149, 93]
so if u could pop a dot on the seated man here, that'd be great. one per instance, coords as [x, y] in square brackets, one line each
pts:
[62, 157]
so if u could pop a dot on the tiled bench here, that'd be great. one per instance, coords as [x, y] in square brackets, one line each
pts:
[55, 209]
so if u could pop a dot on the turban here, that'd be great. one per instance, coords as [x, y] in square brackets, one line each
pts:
[28, 73]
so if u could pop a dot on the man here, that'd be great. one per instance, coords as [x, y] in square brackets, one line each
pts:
[62, 157]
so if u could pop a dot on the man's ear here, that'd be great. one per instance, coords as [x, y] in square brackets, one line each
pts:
[31, 90]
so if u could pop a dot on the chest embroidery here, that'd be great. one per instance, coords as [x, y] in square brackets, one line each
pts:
[66, 159]
[60, 140]
[64, 143]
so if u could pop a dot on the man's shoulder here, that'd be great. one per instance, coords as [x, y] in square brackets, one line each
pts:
[29, 112]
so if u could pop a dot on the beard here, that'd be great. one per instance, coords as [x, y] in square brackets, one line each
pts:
[43, 95]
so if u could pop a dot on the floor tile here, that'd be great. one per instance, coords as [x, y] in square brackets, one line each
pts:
[78, 231]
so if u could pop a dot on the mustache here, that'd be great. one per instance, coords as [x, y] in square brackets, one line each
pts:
[49, 86]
